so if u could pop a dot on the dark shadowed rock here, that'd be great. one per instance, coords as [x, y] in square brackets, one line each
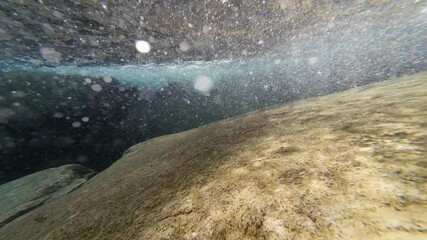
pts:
[27, 193]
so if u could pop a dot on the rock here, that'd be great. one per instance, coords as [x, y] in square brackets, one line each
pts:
[202, 183]
[27, 193]
[104, 32]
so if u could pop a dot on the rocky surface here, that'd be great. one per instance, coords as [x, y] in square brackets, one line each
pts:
[30, 192]
[104, 31]
[349, 165]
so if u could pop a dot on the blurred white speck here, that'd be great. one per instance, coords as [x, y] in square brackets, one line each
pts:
[283, 4]
[76, 124]
[57, 14]
[85, 119]
[194, 235]
[35, 62]
[18, 94]
[277, 61]
[104, 6]
[96, 87]
[203, 84]
[312, 60]
[205, 29]
[88, 80]
[151, 39]
[16, 104]
[108, 79]
[184, 46]
[260, 42]
[50, 55]
[143, 46]
[58, 115]
[404, 147]
[190, 25]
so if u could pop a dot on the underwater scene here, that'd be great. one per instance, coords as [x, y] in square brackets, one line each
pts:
[213, 119]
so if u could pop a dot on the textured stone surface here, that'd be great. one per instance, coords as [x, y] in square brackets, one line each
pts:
[103, 32]
[27, 193]
[349, 165]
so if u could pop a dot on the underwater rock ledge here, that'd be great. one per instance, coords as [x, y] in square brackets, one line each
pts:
[349, 165]
[25, 194]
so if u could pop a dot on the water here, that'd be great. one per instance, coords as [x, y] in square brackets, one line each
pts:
[83, 81]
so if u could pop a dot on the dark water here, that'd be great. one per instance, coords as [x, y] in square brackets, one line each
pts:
[74, 89]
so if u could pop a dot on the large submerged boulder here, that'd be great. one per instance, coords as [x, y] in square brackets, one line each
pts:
[27, 193]
[349, 165]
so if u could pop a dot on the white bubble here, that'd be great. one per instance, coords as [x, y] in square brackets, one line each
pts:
[312, 60]
[260, 42]
[76, 124]
[57, 14]
[88, 80]
[184, 46]
[206, 29]
[283, 4]
[108, 79]
[35, 62]
[194, 235]
[85, 119]
[190, 25]
[50, 55]
[18, 94]
[96, 87]
[143, 46]
[58, 115]
[203, 84]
